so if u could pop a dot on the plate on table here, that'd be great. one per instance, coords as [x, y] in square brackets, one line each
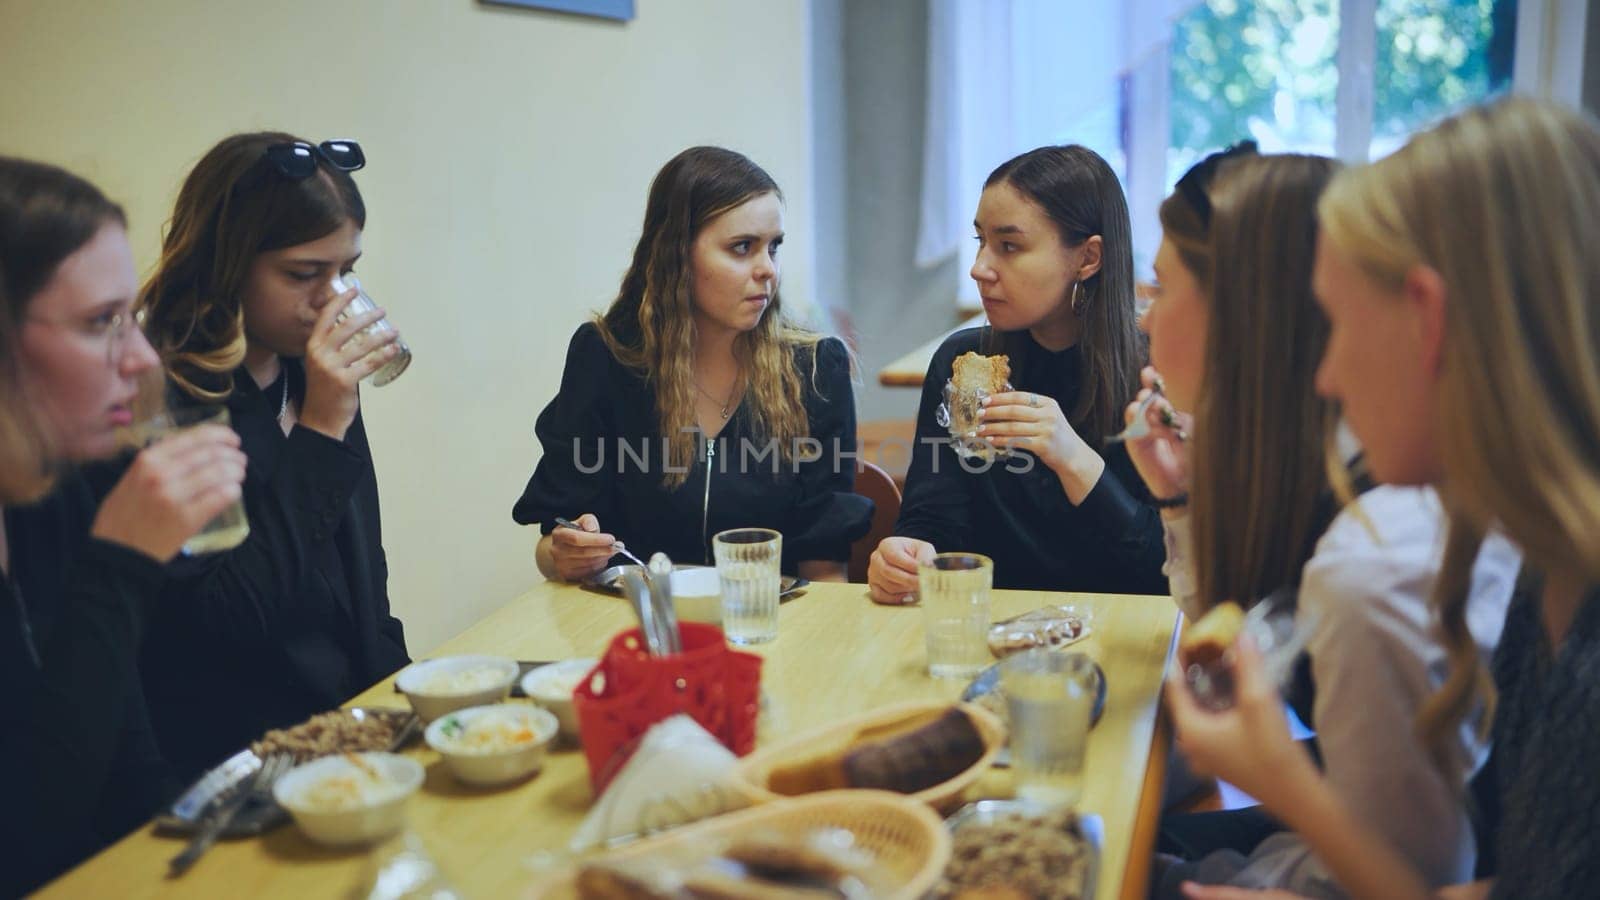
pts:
[609, 581]
[992, 814]
[186, 813]
[984, 690]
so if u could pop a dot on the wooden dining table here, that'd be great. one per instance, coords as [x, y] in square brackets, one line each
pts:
[837, 654]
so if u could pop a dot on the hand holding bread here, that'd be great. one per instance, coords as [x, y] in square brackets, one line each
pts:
[1248, 745]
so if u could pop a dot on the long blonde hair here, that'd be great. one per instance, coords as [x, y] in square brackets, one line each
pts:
[1260, 478]
[650, 325]
[1503, 201]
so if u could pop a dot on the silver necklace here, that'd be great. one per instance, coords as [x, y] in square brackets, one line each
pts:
[723, 403]
[283, 407]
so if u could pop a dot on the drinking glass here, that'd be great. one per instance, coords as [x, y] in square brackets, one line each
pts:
[748, 562]
[1050, 699]
[954, 588]
[230, 527]
[361, 303]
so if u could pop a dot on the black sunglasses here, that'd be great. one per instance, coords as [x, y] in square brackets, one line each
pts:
[1196, 182]
[299, 159]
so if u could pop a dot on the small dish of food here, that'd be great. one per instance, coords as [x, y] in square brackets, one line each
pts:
[1014, 848]
[552, 687]
[449, 683]
[609, 581]
[350, 730]
[349, 799]
[493, 745]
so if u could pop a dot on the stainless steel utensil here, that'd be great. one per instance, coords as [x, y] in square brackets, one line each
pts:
[666, 614]
[222, 814]
[618, 546]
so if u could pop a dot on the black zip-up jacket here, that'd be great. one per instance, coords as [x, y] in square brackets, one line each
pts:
[603, 454]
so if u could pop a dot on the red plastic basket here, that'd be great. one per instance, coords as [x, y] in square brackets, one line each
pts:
[716, 686]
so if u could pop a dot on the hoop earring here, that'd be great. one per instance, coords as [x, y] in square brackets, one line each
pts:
[1079, 303]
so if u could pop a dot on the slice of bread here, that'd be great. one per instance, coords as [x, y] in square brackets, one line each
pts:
[1206, 640]
[971, 372]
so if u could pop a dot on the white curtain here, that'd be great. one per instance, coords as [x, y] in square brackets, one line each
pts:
[1005, 76]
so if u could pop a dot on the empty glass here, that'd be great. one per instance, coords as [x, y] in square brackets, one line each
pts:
[954, 589]
[361, 303]
[748, 565]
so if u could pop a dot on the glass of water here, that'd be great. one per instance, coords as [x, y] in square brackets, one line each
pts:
[1050, 698]
[748, 565]
[361, 303]
[230, 527]
[954, 589]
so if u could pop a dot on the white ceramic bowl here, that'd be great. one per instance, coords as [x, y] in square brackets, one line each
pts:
[378, 813]
[551, 687]
[493, 766]
[425, 684]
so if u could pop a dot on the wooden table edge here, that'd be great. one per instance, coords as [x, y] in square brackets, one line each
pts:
[1147, 818]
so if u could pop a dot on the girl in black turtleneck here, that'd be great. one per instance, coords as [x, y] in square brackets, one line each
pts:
[1067, 512]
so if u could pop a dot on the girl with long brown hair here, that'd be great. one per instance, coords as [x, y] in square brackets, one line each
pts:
[1055, 268]
[81, 563]
[1235, 336]
[695, 404]
[243, 311]
[1459, 279]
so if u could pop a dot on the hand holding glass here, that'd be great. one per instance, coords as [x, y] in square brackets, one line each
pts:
[361, 303]
[954, 588]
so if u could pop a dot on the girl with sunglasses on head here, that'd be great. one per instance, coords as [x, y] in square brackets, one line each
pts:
[1459, 279]
[1055, 268]
[81, 565]
[744, 418]
[1235, 334]
[242, 310]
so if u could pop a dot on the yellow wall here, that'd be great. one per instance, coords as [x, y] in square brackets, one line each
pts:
[509, 154]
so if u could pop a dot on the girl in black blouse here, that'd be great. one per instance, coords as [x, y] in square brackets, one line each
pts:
[1055, 270]
[296, 619]
[694, 405]
[77, 761]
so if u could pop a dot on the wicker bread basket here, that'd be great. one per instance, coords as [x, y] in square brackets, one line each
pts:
[753, 771]
[908, 842]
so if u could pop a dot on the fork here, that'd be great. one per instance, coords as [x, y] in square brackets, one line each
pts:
[227, 809]
[618, 546]
[1140, 426]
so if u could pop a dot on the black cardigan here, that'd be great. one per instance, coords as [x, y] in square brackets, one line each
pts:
[293, 621]
[1111, 542]
[78, 762]
[604, 419]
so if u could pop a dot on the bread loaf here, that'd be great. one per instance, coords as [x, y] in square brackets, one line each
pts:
[971, 372]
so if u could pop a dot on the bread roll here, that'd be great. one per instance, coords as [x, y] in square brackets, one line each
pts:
[971, 372]
[1206, 640]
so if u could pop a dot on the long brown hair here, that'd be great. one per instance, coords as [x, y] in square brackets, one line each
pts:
[1080, 194]
[233, 206]
[1258, 455]
[650, 325]
[46, 215]
[1503, 201]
